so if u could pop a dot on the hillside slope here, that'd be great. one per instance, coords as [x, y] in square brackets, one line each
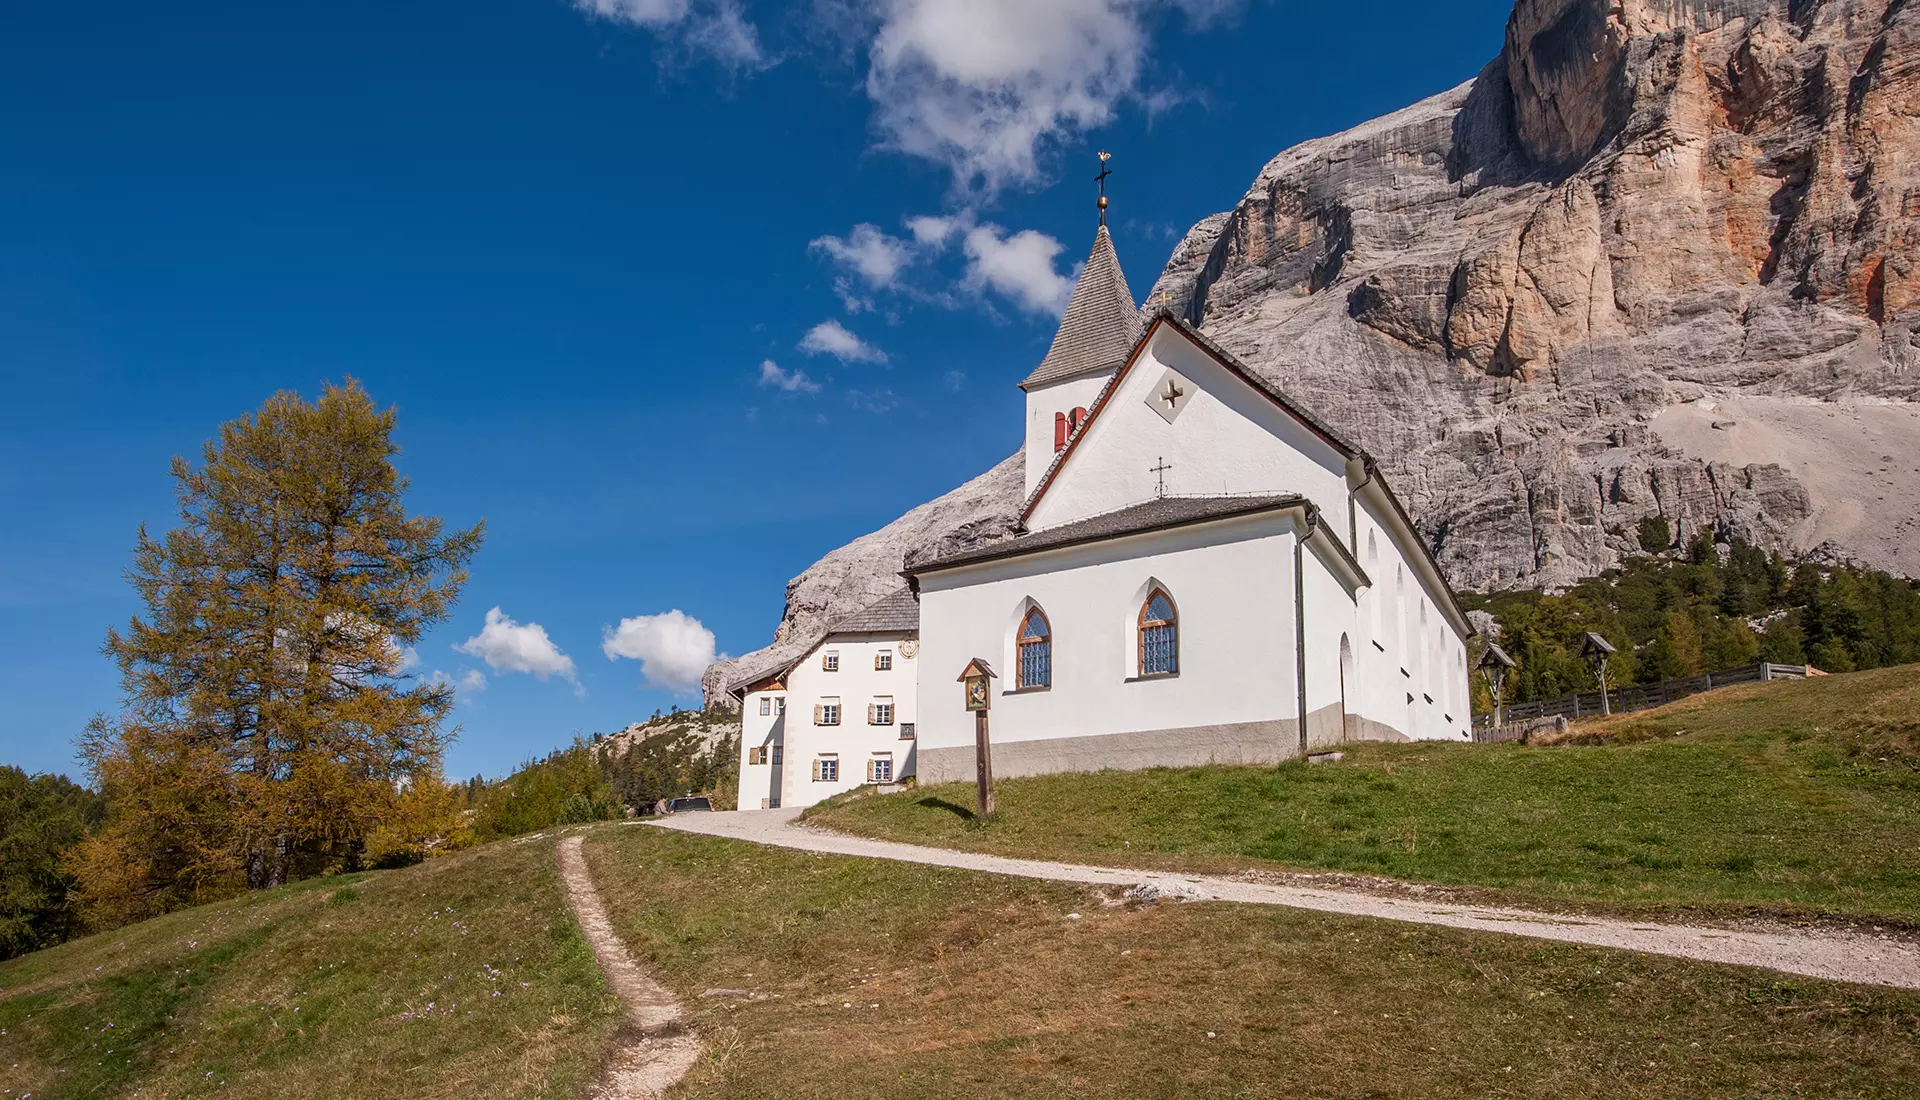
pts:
[1789, 798]
[1656, 259]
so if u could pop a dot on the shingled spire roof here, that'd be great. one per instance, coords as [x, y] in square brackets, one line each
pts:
[1102, 323]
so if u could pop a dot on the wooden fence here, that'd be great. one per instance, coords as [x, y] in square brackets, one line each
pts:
[1640, 696]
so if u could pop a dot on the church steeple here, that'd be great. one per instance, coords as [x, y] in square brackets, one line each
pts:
[1102, 322]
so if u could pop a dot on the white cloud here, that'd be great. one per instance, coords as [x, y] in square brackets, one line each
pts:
[869, 253]
[673, 648]
[874, 401]
[984, 87]
[787, 381]
[1019, 266]
[930, 231]
[832, 338]
[715, 28]
[409, 657]
[471, 683]
[508, 646]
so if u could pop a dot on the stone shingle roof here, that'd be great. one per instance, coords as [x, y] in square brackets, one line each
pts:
[1101, 325]
[897, 614]
[1154, 515]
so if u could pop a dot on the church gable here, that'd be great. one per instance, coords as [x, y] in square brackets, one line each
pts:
[1182, 419]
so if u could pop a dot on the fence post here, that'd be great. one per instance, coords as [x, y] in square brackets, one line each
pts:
[1766, 671]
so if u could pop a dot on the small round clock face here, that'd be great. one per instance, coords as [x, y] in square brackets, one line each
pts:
[909, 649]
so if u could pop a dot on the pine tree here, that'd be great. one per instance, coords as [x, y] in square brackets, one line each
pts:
[270, 722]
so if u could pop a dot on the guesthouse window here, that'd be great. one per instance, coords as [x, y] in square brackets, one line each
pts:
[880, 769]
[880, 711]
[756, 755]
[826, 769]
[1036, 651]
[883, 660]
[827, 712]
[1159, 636]
[830, 661]
[780, 705]
[766, 705]
[776, 755]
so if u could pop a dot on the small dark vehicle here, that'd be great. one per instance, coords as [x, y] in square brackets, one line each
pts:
[686, 805]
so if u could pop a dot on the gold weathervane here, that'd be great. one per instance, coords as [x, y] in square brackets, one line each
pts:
[1101, 179]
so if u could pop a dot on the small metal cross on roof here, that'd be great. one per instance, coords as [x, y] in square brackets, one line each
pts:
[1162, 298]
[1161, 472]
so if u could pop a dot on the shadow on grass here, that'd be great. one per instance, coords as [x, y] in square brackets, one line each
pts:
[955, 809]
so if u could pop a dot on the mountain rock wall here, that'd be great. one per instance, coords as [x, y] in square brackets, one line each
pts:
[1657, 259]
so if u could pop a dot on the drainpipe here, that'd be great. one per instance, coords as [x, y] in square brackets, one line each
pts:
[1353, 510]
[1300, 618]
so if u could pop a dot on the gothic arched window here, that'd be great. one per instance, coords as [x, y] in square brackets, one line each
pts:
[1036, 651]
[1159, 635]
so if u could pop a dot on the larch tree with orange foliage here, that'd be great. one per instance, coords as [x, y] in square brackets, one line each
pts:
[271, 725]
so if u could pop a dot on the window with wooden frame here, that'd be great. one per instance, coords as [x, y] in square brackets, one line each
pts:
[830, 661]
[883, 661]
[766, 706]
[1036, 651]
[776, 755]
[826, 769]
[880, 769]
[826, 712]
[1159, 635]
[756, 755]
[880, 711]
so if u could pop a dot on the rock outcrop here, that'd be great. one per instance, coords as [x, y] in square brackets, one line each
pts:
[1657, 259]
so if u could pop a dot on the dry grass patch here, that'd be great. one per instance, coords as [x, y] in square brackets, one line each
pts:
[465, 976]
[1794, 799]
[853, 978]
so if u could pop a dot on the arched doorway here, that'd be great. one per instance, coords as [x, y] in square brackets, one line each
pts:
[1346, 678]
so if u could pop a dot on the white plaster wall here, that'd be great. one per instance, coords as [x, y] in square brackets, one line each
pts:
[760, 783]
[856, 684]
[1411, 648]
[1232, 583]
[1042, 403]
[1229, 439]
[1330, 615]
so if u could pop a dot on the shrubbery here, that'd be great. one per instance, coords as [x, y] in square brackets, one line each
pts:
[1717, 607]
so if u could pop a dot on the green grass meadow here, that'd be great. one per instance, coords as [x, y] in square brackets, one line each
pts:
[1798, 799]
[463, 977]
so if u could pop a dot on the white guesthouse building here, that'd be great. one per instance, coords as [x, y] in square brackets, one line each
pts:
[1201, 572]
[838, 717]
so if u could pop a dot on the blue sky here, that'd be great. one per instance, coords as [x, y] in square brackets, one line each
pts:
[606, 259]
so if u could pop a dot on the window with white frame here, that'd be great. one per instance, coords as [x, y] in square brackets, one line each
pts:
[757, 755]
[780, 705]
[830, 661]
[766, 705]
[826, 769]
[883, 661]
[826, 712]
[880, 769]
[880, 711]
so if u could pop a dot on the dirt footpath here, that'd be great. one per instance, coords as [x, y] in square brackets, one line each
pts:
[656, 1050]
[1832, 954]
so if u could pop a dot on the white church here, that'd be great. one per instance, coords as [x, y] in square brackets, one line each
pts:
[1202, 572]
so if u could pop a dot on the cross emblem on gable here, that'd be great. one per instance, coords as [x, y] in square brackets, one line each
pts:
[1172, 395]
[1168, 397]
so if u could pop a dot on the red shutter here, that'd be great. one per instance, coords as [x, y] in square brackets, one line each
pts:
[1078, 418]
[1059, 432]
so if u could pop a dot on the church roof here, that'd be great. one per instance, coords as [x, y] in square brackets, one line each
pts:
[1154, 515]
[897, 614]
[1101, 325]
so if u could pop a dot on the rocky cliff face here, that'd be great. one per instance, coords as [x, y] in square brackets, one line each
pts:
[1657, 259]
